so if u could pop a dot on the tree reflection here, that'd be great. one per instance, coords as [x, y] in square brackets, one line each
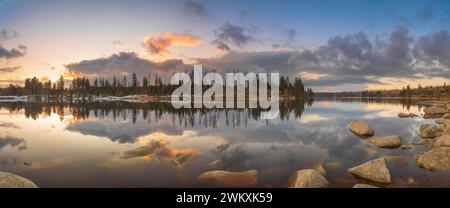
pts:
[152, 112]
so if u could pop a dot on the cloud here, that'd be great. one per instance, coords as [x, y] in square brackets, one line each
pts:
[355, 55]
[8, 125]
[433, 50]
[160, 43]
[231, 34]
[12, 141]
[13, 53]
[124, 64]
[290, 38]
[6, 35]
[350, 59]
[9, 69]
[117, 42]
[196, 9]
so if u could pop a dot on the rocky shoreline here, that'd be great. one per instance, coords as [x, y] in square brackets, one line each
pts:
[375, 173]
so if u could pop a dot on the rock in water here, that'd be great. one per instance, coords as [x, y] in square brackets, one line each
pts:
[374, 170]
[402, 115]
[359, 128]
[437, 159]
[361, 185]
[392, 141]
[9, 180]
[309, 178]
[442, 141]
[406, 115]
[428, 131]
[180, 159]
[228, 178]
[138, 152]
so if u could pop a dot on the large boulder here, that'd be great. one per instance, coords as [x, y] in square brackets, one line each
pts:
[437, 159]
[228, 178]
[309, 178]
[360, 128]
[442, 141]
[391, 141]
[428, 131]
[374, 170]
[9, 180]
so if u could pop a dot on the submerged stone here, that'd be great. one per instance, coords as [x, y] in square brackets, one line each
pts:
[360, 128]
[180, 159]
[374, 170]
[391, 141]
[138, 152]
[309, 178]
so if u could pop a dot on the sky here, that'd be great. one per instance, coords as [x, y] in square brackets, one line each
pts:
[333, 45]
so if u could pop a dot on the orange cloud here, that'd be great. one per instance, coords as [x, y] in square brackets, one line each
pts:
[160, 43]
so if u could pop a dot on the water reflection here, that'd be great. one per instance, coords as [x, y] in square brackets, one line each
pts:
[51, 142]
[130, 110]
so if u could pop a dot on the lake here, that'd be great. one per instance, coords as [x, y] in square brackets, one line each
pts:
[80, 145]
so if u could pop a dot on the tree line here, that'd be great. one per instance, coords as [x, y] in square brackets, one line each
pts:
[84, 87]
[406, 92]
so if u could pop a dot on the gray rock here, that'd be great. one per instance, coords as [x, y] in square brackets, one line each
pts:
[374, 170]
[361, 185]
[442, 141]
[180, 159]
[228, 178]
[391, 141]
[437, 159]
[359, 128]
[309, 178]
[9, 180]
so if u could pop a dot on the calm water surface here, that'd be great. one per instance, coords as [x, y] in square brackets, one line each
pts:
[79, 145]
